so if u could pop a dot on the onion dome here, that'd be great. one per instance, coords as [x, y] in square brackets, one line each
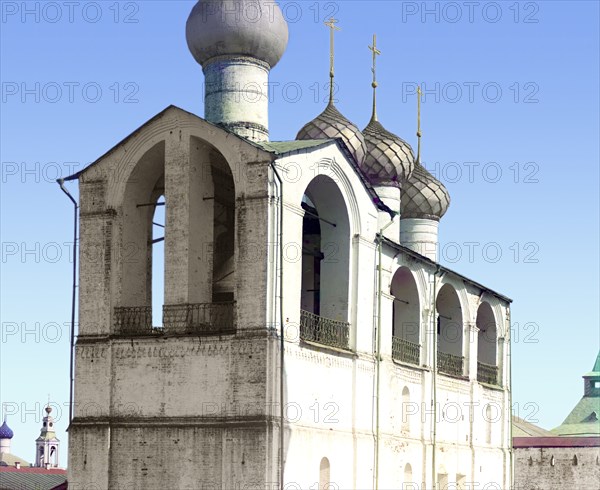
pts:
[423, 196]
[5, 431]
[389, 159]
[332, 124]
[253, 28]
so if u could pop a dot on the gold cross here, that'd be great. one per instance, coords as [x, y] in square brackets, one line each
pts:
[419, 93]
[376, 53]
[419, 134]
[331, 23]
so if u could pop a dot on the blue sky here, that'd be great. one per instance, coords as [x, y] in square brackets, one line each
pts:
[510, 124]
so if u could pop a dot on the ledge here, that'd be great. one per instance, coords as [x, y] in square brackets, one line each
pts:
[408, 365]
[327, 348]
[491, 387]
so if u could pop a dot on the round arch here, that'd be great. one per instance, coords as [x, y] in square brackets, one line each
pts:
[487, 337]
[325, 250]
[449, 321]
[406, 316]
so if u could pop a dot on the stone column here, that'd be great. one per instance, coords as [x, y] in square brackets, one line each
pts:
[470, 345]
[189, 196]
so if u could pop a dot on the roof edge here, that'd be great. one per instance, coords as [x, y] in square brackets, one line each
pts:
[425, 260]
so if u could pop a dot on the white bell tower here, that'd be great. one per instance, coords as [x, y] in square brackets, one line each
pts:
[47, 444]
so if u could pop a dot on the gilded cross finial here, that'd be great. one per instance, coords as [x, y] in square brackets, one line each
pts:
[376, 53]
[419, 134]
[331, 23]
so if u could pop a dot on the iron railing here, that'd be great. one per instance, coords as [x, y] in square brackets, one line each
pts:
[134, 320]
[487, 373]
[199, 318]
[406, 351]
[450, 364]
[315, 328]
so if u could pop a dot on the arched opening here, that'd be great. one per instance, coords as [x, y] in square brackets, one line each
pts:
[145, 186]
[201, 245]
[324, 474]
[177, 243]
[487, 340]
[449, 332]
[406, 316]
[405, 411]
[408, 477]
[325, 265]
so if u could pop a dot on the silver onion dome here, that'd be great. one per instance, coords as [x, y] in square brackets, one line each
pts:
[332, 124]
[389, 159]
[253, 28]
[423, 196]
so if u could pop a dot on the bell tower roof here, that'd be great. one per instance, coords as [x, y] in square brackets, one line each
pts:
[584, 419]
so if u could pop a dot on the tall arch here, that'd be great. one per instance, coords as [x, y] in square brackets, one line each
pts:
[325, 264]
[198, 234]
[406, 317]
[487, 343]
[200, 246]
[450, 358]
[144, 187]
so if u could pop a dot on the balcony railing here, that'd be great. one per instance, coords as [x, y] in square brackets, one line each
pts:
[450, 364]
[487, 373]
[314, 328]
[199, 318]
[134, 320]
[406, 351]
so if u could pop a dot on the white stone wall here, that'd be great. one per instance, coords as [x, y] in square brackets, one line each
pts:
[330, 396]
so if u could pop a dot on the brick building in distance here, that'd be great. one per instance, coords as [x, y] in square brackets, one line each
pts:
[569, 455]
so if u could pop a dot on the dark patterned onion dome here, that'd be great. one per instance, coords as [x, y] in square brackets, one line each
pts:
[389, 160]
[423, 196]
[5, 431]
[332, 124]
[253, 28]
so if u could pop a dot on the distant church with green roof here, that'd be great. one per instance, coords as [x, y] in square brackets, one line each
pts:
[583, 419]
[569, 455]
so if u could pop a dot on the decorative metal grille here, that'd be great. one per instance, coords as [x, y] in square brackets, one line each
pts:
[406, 351]
[199, 318]
[315, 328]
[450, 364]
[487, 373]
[134, 320]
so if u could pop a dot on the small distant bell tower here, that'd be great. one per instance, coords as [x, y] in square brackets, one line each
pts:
[47, 444]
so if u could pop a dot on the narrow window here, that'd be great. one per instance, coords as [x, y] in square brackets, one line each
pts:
[324, 474]
[408, 477]
[405, 405]
[157, 260]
